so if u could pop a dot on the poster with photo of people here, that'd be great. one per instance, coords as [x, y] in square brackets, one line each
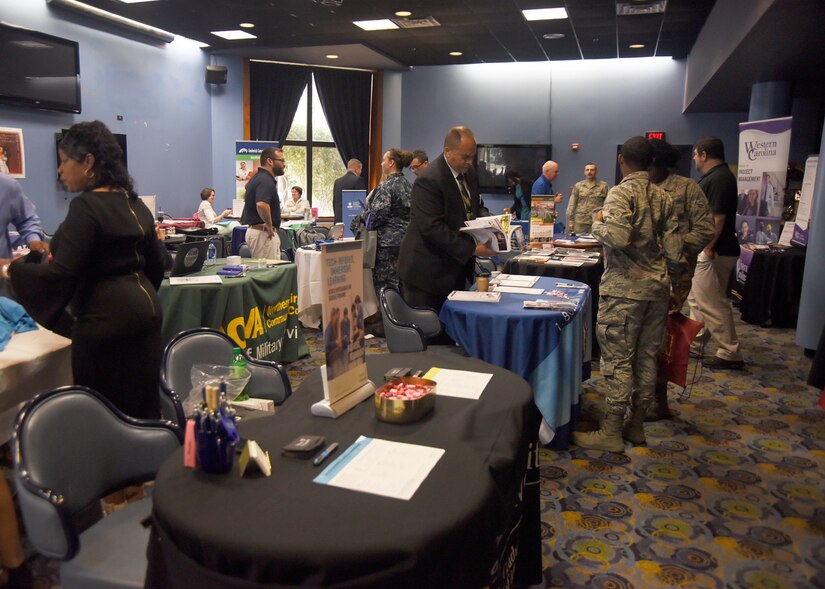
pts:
[343, 312]
[247, 162]
[763, 166]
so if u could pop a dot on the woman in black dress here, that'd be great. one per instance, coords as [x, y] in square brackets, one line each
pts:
[106, 267]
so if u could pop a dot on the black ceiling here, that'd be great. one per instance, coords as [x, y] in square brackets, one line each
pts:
[485, 31]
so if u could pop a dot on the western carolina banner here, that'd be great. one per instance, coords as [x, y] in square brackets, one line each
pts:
[763, 168]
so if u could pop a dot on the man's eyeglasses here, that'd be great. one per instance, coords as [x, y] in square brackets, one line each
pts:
[277, 159]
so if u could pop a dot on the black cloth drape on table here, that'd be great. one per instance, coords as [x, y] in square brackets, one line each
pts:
[346, 98]
[275, 91]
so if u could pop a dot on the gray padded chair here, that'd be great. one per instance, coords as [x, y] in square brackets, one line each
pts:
[484, 265]
[407, 328]
[71, 447]
[244, 251]
[203, 345]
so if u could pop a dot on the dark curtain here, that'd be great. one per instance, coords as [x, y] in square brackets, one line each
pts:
[275, 91]
[345, 97]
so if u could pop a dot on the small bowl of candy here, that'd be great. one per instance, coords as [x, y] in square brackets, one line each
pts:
[404, 400]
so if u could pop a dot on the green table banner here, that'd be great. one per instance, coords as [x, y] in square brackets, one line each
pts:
[258, 311]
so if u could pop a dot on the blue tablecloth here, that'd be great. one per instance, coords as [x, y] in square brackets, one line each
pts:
[544, 347]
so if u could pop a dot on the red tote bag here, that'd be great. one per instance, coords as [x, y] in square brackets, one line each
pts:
[673, 359]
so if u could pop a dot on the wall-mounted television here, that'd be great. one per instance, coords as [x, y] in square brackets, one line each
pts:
[39, 70]
[493, 161]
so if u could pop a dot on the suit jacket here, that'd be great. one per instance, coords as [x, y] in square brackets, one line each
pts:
[435, 256]
[348, 181]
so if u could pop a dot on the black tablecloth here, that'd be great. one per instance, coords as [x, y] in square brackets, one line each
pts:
[227, 532]
[773, 287]
[591, 275]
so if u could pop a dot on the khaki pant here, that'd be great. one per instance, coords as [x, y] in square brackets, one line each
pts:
[709, 304]
[630, 333]
[262, 246]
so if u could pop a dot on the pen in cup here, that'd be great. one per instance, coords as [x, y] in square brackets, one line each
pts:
[324, 454]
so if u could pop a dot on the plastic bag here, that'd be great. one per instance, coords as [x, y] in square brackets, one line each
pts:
[201, 375]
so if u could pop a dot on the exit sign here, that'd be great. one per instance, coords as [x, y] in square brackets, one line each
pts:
[655, 135]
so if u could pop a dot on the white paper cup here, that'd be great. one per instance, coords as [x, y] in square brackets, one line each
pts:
[233, 261]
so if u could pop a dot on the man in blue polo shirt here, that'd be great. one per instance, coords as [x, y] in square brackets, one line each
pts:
[262, 207]
[544, 183]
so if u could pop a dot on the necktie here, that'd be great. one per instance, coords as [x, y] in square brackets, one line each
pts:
[465, 194]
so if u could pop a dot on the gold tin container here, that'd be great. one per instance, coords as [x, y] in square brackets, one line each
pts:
[394, 410]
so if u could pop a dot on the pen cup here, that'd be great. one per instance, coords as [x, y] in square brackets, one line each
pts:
[216, 453]
[482, 283]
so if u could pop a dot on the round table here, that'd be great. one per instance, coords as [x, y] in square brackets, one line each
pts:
[542, 346]
[461, 528]
[311, 294]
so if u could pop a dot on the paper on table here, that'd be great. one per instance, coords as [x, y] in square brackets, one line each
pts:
[519, 289]
[516, 280]
[564, 263]
[381, 467]
[213, 279]
[459, 383]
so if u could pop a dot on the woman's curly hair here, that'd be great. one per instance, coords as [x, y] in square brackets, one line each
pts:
[95, 138]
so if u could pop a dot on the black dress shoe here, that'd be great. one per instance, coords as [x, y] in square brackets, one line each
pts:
[717, 362]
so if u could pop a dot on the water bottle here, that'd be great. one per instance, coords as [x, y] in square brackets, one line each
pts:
[211, 254]
[239, 365]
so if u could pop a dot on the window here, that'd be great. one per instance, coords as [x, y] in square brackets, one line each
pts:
[312, 160]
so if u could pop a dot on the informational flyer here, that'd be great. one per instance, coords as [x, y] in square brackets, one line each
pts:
[343, 312]
[542, 218]
[353, 203]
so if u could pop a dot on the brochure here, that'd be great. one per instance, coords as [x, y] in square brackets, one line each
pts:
[474, 296]
[491, 231]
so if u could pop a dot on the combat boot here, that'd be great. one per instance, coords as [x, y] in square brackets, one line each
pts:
[658, 408]
[634, 427]
[608, 438]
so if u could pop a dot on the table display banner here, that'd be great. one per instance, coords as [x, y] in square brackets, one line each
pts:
[806, 202]
[247, 162]
[343, 312]
[542, 218]
[763, 168]
[259, 311]
[353, 202]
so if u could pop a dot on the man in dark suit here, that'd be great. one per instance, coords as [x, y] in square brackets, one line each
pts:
[436, 258]
[352, 180]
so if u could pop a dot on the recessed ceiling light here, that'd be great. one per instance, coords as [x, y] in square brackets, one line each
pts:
[456, 53]
[545, 13]
[332, 56]
[382, 24]
[233, 35]
[553, 35]
[637, 46]
[247, 25]
[403, 13]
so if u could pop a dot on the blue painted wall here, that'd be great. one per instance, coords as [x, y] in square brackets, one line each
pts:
[158, 88]
[596, 103]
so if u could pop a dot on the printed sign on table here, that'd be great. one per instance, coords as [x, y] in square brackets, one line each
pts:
[343, 312]
[542, 218]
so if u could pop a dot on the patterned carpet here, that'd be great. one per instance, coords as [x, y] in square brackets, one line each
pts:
[730, 494]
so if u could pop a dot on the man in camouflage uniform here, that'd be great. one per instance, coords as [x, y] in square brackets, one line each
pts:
[588, 194]
[642, 251]
[690, 205]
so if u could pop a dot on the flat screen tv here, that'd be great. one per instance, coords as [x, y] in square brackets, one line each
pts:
[39, 70]
[494, 161]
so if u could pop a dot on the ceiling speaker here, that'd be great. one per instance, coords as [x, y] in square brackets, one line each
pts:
[216, 74]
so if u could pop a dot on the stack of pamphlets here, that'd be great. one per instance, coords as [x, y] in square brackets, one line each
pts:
[474, 296]
[552, 304]
[573, 257]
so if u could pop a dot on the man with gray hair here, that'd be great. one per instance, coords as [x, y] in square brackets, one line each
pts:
[352, 180]
[544, 183]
